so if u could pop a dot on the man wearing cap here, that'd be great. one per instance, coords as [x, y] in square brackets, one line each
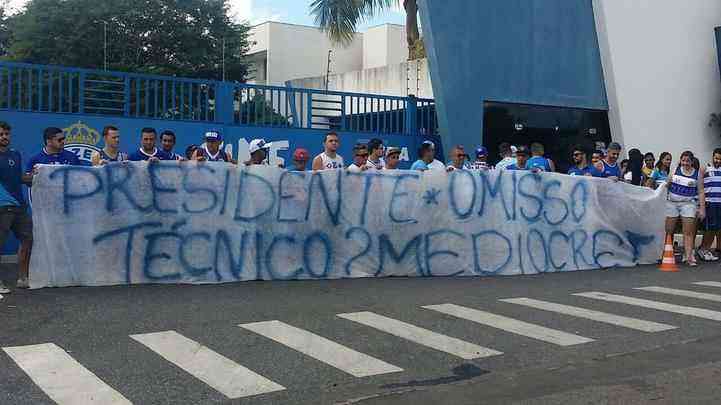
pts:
[375, 154]
[521, 159]
[329, 159]
[393, 158]
[300, 159]
[427, 161]
[481, 162]
[258, 152]
[147, 150]
[211, 149]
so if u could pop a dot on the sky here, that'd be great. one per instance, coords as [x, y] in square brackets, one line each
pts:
[289, 11]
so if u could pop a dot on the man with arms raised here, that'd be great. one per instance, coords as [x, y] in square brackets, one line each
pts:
[111, 152]
[14, 214]
[329, 159]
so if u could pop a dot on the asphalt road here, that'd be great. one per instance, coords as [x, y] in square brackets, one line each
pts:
[577, 361]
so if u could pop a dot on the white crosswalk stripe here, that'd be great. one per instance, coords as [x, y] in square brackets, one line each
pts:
[626, 322]
[511, 325]
[61, 377]
[709, 283]
[224, 375]
[425, 337]
[343, 358]
[661, 306]
[682, 293]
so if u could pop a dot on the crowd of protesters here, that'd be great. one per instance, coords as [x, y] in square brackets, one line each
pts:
[694, 190]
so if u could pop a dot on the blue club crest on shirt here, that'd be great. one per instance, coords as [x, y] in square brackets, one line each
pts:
[82, 140]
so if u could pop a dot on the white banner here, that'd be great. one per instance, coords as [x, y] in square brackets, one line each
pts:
[170, 222]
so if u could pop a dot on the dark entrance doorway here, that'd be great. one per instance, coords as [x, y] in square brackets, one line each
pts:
[558, 129]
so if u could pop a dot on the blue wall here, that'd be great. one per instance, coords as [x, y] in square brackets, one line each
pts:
[521, 51]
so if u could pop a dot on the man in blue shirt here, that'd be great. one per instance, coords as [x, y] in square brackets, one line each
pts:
[147, 150]
[167, 142]
[14, 214]
[521, 160]
[579, 163]
[54, 152]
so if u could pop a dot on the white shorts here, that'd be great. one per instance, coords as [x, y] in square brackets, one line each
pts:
[684, 209]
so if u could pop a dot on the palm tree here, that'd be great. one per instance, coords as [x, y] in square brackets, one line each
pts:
[339, 18]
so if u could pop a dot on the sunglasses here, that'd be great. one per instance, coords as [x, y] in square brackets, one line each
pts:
[362, 155]
[60, 139]
[578, 154]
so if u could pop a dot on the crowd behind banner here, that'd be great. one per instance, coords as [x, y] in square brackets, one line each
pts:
[694, 190]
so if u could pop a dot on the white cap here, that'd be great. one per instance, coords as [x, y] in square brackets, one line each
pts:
[258, 144]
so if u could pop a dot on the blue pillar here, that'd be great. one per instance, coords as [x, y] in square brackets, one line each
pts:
[411, 124]
[224, 102]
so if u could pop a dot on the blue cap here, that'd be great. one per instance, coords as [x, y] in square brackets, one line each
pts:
[481, 151]
[213, 136]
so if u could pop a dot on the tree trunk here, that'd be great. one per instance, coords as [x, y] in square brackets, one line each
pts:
[412, 34]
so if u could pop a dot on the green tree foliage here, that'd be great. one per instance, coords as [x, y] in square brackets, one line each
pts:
[340, 18]
[4, 31]
[166, 37]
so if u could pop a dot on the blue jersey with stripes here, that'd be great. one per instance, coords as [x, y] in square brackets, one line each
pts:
[539, 163]
[577, 171]
[712, 184]
[609, 170]
[683, 187]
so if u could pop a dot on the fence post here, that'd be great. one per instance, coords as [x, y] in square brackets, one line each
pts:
[411, 115]
[126, 96]
[224, 103]
[309, 112]
[81, 94]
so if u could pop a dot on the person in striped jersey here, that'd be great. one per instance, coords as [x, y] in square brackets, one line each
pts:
[685, 188]
[712, 223]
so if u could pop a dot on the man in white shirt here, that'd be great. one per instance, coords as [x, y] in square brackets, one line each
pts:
[426, 158]
[506, 153]
[360, 159]
[375, 154]
[329, 159]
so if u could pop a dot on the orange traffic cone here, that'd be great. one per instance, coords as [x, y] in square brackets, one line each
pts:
[668, 263]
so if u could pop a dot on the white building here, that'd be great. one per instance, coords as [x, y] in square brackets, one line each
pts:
[661, 69]
[281, 52]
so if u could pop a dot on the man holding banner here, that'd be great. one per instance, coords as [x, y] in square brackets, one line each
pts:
[14, 214]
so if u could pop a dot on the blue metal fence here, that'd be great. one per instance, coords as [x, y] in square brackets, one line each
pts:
[39, 88]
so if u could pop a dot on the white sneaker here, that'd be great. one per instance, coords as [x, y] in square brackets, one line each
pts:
[3, 289]
[22, 283]
[707, 256]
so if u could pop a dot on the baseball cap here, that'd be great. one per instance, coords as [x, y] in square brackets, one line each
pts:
[301, 155]
[481, 151]
[258, 144]
[392, 150]
[213, 136]
[521, 150]
[429, 143]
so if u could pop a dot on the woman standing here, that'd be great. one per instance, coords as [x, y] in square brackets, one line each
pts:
[648, 162]
[662, 170]
[684, 188]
